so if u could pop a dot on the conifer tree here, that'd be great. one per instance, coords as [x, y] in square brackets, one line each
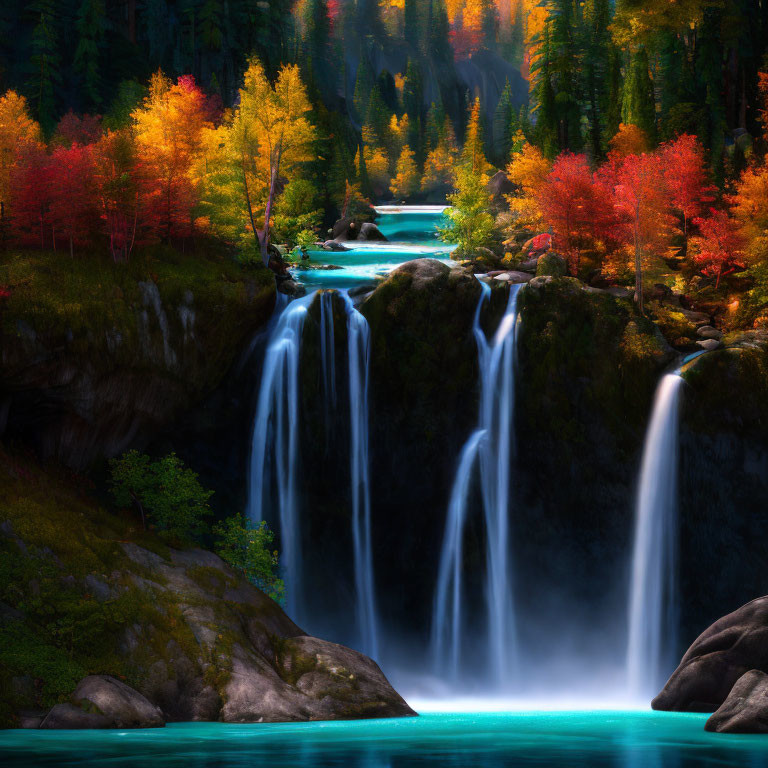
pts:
[45, 62]
[638, 104]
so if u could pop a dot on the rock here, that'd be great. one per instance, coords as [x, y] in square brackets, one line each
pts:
[120, 704]
[709, 345]
[746, 708]
[708, 332]
[503, 277]
[529, 265]
[371, 233]
[31, 718]
[69, 717]
[291, 288]
[620, 293]
[732, 646]
[697, 318]
[361, 290]
[313, 683]
[498, 187]
[333, 245]
[516, 277]
[551, 264]
[345, 229]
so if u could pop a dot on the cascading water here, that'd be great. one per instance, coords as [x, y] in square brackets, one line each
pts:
[327, 357]
[274, 470]
[652, 604]
[491, 446]
[275, 444]
[358, 348]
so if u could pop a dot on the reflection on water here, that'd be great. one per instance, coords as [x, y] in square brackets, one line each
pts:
[436, 740]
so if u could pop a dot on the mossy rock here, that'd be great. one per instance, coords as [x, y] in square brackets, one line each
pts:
[552, 265]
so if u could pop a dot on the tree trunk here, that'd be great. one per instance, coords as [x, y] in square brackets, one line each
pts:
[638, 273]
[267, 213]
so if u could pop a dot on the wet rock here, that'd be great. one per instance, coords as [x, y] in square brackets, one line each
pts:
[708, 332]
[732, 646]
[120, 704]
[709, 345]
[697, 318]
[291, 288]
[746, 708]
[371, 233]
[333, 245]
[529, 265]
[69, 717]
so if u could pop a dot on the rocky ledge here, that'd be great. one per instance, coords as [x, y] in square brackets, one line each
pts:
[103, 626]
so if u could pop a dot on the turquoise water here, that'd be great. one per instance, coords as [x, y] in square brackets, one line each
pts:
[490, 740]
[412, 234]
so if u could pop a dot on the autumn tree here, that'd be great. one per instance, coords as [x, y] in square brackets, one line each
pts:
[406, 181]
[277, 117]
[527, 171]
[168, 128]
[74, 205]
[641, 204]
[629, 140]
[118, 184]
[750, 210]
[17, 131]
[720, 246]
[473, 152]
[574, 206]
[686, 177]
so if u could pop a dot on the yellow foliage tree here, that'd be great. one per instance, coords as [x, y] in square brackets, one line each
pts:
[17, 129]
[268, 135]
[377, 167]
[527, 170]
[406, 181]
[473, 154]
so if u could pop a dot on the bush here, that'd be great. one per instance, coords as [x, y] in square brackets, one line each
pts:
[247, 549]
[165, 491]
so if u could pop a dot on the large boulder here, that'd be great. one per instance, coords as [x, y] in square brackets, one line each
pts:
[746, 708]
[552, 265]
[371, 233]
[69, 717]
[119, 703]
[732, 646]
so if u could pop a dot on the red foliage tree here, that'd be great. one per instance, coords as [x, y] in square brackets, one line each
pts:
[641, 202]
[720, 246]
[31, 194]
[119, 183]
[576, 207]
[77, 129]
[686, 177]
[74, 203]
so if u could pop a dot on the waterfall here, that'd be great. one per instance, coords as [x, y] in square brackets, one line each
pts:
[490, 446]
[652, 609]
[275, 444]
[274, 470]
[327, 359]
[358, 348]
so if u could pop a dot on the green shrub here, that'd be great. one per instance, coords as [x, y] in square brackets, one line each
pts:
[247, 549]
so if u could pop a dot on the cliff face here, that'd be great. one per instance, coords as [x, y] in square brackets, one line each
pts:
[84, 594]
[99, 357]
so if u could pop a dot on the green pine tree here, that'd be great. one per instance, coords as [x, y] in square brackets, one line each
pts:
[638, 104]
[45, 63]
[91, 23]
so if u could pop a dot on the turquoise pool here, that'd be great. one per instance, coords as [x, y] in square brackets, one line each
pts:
[412, 234]
[446, 740]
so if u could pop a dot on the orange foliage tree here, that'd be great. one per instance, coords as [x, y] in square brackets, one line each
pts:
[168, 128]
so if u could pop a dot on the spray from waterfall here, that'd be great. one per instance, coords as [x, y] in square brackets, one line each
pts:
[273, 478]
[491, 447]
[652, 598]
